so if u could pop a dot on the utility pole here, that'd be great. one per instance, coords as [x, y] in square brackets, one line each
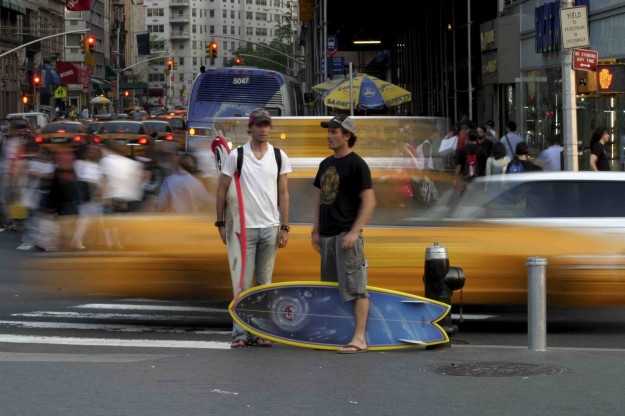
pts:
[470, 113]
[569, 106]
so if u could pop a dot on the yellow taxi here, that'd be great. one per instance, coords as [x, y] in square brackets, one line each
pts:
[179, 123]
[161, 129]
[63, 133]
[134, 135]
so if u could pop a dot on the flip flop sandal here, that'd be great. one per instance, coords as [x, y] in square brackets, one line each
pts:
[261, 342]
[238, 343]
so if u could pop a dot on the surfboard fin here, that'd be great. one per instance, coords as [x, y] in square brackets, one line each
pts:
[412, 341]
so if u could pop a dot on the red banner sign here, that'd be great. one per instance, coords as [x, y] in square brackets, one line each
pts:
[78, 5]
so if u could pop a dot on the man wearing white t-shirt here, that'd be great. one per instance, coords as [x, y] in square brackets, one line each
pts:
[266, 222]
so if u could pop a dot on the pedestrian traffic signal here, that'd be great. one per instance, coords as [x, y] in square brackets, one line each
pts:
[36, 81]
[170, 64]
[214, 49]
[175, 65]
[238, 61]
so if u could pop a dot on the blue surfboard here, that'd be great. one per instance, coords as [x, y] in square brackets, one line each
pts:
[312, 315]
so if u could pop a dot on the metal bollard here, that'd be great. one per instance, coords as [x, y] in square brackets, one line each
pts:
[537, 303]
[441, 280]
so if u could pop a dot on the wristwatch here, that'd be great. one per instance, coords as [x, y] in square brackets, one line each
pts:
[220, 224]
[285, 227]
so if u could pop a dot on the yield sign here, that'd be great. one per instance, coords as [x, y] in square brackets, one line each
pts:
[585, 60]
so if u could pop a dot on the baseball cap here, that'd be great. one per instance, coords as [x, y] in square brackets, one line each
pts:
[340, 120]
[259, 115]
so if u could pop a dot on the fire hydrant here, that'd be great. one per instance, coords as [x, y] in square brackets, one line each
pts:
[441, 280]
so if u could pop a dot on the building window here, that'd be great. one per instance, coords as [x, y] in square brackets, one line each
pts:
[156, 28]
[261, 16]
[212, 30]
[225, 30]
[211, 13]
[261, 31]
[155, 12]
[194, 13]
[249, 31]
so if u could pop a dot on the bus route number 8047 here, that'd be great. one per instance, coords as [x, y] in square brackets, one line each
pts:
[240, 80]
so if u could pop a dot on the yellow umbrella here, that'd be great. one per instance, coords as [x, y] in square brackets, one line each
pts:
[100, 99]
[368, 93]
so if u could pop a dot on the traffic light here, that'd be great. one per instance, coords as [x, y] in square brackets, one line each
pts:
[208, 50]
[36, 81]
[25, 99]
[170, 64]
[88, 45]
[175, 65]
[126, 93]
[238, 61]
[91, 44]
[214, 49]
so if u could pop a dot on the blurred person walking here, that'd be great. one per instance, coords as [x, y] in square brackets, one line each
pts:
[181, 192]
[497, 162]
[122, 178]
[345, 203]
[266, 222]
[470, 161]
[89, 182]
[598, 155]
[510, 139]
[550, 159]
[521, 162]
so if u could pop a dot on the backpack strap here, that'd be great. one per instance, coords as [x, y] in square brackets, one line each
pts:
[276, 152]
[509, 145]
[239, 159]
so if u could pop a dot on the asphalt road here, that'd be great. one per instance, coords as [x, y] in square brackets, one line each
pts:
[98, 354]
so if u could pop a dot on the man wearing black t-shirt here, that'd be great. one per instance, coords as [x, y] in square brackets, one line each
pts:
[598, 156]
[345, 202]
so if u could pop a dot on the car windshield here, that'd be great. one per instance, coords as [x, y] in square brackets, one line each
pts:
[20, 124]
[157, 126]
[176, 123]
[131, 128]
[63, 128]
[484, 199]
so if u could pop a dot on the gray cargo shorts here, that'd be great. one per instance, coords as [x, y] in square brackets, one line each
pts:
[347, 267]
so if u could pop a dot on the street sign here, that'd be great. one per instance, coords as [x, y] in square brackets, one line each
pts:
[574, 27]
[338, 65]
[60, 92]
[333, 45]
[90, 60]
[585, 60]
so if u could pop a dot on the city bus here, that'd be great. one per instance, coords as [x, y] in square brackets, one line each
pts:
[235, 92]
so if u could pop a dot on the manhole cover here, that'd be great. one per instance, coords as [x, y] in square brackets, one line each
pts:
[493, 369]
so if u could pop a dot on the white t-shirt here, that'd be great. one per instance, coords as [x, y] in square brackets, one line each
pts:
[123, 178]
[259, 185]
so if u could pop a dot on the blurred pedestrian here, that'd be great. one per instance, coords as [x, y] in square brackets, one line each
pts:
[89, 181]
[266, 221]
[510, 139]
[497, 162]
[598, 156]
[551, 158]
[470, 161]
[345, 203]
[521, 162]
[490, 128]
[484, 142]
[181, 192]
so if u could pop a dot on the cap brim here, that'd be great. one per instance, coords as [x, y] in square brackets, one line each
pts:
[330, 125]
[261, 119]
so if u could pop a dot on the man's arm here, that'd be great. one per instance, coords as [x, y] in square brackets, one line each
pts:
[593, 162]
[367, 205]
[283, 196]
[222, 190]
[315, 230]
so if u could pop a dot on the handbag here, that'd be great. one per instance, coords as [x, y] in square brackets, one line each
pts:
[448, 145]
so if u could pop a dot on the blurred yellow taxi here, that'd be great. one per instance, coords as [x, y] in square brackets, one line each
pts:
[573, 219]
[133, 135]
[179, 124]
[62, 133]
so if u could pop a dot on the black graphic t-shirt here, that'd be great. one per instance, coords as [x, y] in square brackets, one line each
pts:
[341, 180]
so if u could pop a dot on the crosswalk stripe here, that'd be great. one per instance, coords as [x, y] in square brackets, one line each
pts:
[91, 315]
[148, 307]
[110, 327]
[28, 339]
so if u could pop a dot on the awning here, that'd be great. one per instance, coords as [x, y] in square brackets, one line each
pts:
[71, 73]
[15, 5]
[101, 85]
[49, 75]
[155, 92]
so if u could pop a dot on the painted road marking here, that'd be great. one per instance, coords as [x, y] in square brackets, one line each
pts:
[148, 307]
[79, 358]
[111, 327]
[89, 315]
[103, 342]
